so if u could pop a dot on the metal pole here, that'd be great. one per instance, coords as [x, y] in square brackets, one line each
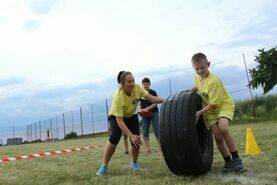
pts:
[251, 96]
[51, 129]
[13, 135]
[35, 131]
[81, 119]
[72, 121]
[92, 120]
[107, 114]
[63, 125]
[39, 130]
[57, 127]
[170, 90]
[31, 132]
[28, 136]
[45, 127]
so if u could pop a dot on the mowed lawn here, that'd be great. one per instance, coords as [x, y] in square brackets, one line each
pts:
[80, 167]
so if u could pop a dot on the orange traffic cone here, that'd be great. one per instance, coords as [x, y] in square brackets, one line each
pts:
[251, 146]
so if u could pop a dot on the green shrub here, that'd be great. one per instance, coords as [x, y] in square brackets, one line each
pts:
[71, 135]
[266, 109]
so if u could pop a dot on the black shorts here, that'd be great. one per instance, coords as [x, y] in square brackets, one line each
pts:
[132, 124]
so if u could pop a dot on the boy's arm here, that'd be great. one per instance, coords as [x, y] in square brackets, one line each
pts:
[203, 110]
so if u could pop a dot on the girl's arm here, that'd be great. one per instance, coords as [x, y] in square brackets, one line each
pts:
[152, 106]
[134, 138]
[154, 99]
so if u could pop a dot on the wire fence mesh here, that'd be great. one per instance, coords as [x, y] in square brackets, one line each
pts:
[92, 118]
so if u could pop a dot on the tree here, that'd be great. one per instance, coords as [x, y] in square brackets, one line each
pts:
[265, 73]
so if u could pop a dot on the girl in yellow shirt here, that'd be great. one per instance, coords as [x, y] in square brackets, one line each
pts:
[123, 118]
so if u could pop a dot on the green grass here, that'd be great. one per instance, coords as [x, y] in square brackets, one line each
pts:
[80, 167]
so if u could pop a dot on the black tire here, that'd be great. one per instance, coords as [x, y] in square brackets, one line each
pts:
[187, 148]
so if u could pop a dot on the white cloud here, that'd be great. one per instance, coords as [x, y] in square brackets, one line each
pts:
[54, 44]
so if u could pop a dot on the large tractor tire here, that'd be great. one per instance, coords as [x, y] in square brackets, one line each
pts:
[187, 147]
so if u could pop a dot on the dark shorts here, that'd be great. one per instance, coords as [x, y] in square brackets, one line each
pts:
[132, 124]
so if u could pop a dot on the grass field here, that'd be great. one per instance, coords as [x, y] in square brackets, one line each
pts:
[80, 167]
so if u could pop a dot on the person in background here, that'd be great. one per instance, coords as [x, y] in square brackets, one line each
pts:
[123, 118]
[147, 106]
[217, 111]
[125, 143]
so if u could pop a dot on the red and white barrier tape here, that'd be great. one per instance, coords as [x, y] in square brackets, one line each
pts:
[43, 154]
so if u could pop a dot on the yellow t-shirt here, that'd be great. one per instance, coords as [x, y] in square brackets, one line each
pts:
[213, 92]
[125, 106]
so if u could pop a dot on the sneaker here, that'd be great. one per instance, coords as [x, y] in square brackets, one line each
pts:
[135, 166]
[102, 170]
[237, 165]
[227, 167]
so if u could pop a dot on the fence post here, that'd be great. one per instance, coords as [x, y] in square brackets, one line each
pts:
[35, 130]
[45, 127]
[170, 90]
[72, 120]
[81, 118]
[13, 134]
[51, 136]
[92, 120]
[39, 130]
[57, 127]
[63, 125]
[107, 114]
[28, 136]
[31, 132]
[251, 97]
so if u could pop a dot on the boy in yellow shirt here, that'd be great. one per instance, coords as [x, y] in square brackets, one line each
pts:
[217, 111]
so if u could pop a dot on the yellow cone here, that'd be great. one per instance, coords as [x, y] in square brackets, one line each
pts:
[251, 146]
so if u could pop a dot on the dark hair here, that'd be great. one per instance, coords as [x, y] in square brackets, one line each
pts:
[198, 57]
[146, 80]
[121, 76]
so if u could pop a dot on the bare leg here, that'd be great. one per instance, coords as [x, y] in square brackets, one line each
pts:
[221, 145]
[126, 144]
[223, 125]
[147, 145]
[159, 144]
[135, 152]
[108, 153]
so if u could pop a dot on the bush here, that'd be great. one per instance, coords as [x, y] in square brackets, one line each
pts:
[71, 135]
[266, 109]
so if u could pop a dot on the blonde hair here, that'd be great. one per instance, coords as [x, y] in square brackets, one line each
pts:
[198, 57]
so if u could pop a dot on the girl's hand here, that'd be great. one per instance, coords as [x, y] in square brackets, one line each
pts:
[136, 140]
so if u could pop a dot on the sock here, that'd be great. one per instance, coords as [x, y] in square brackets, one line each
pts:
[235, 154]
[227, 159]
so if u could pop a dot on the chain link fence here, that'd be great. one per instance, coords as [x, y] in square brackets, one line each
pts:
[92, 118]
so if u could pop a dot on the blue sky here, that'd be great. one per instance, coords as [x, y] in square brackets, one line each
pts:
[56, 55]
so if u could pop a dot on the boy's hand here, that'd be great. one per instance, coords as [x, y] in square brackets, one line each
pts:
[197, 115]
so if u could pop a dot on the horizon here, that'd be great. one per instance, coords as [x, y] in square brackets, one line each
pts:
[58, 55]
